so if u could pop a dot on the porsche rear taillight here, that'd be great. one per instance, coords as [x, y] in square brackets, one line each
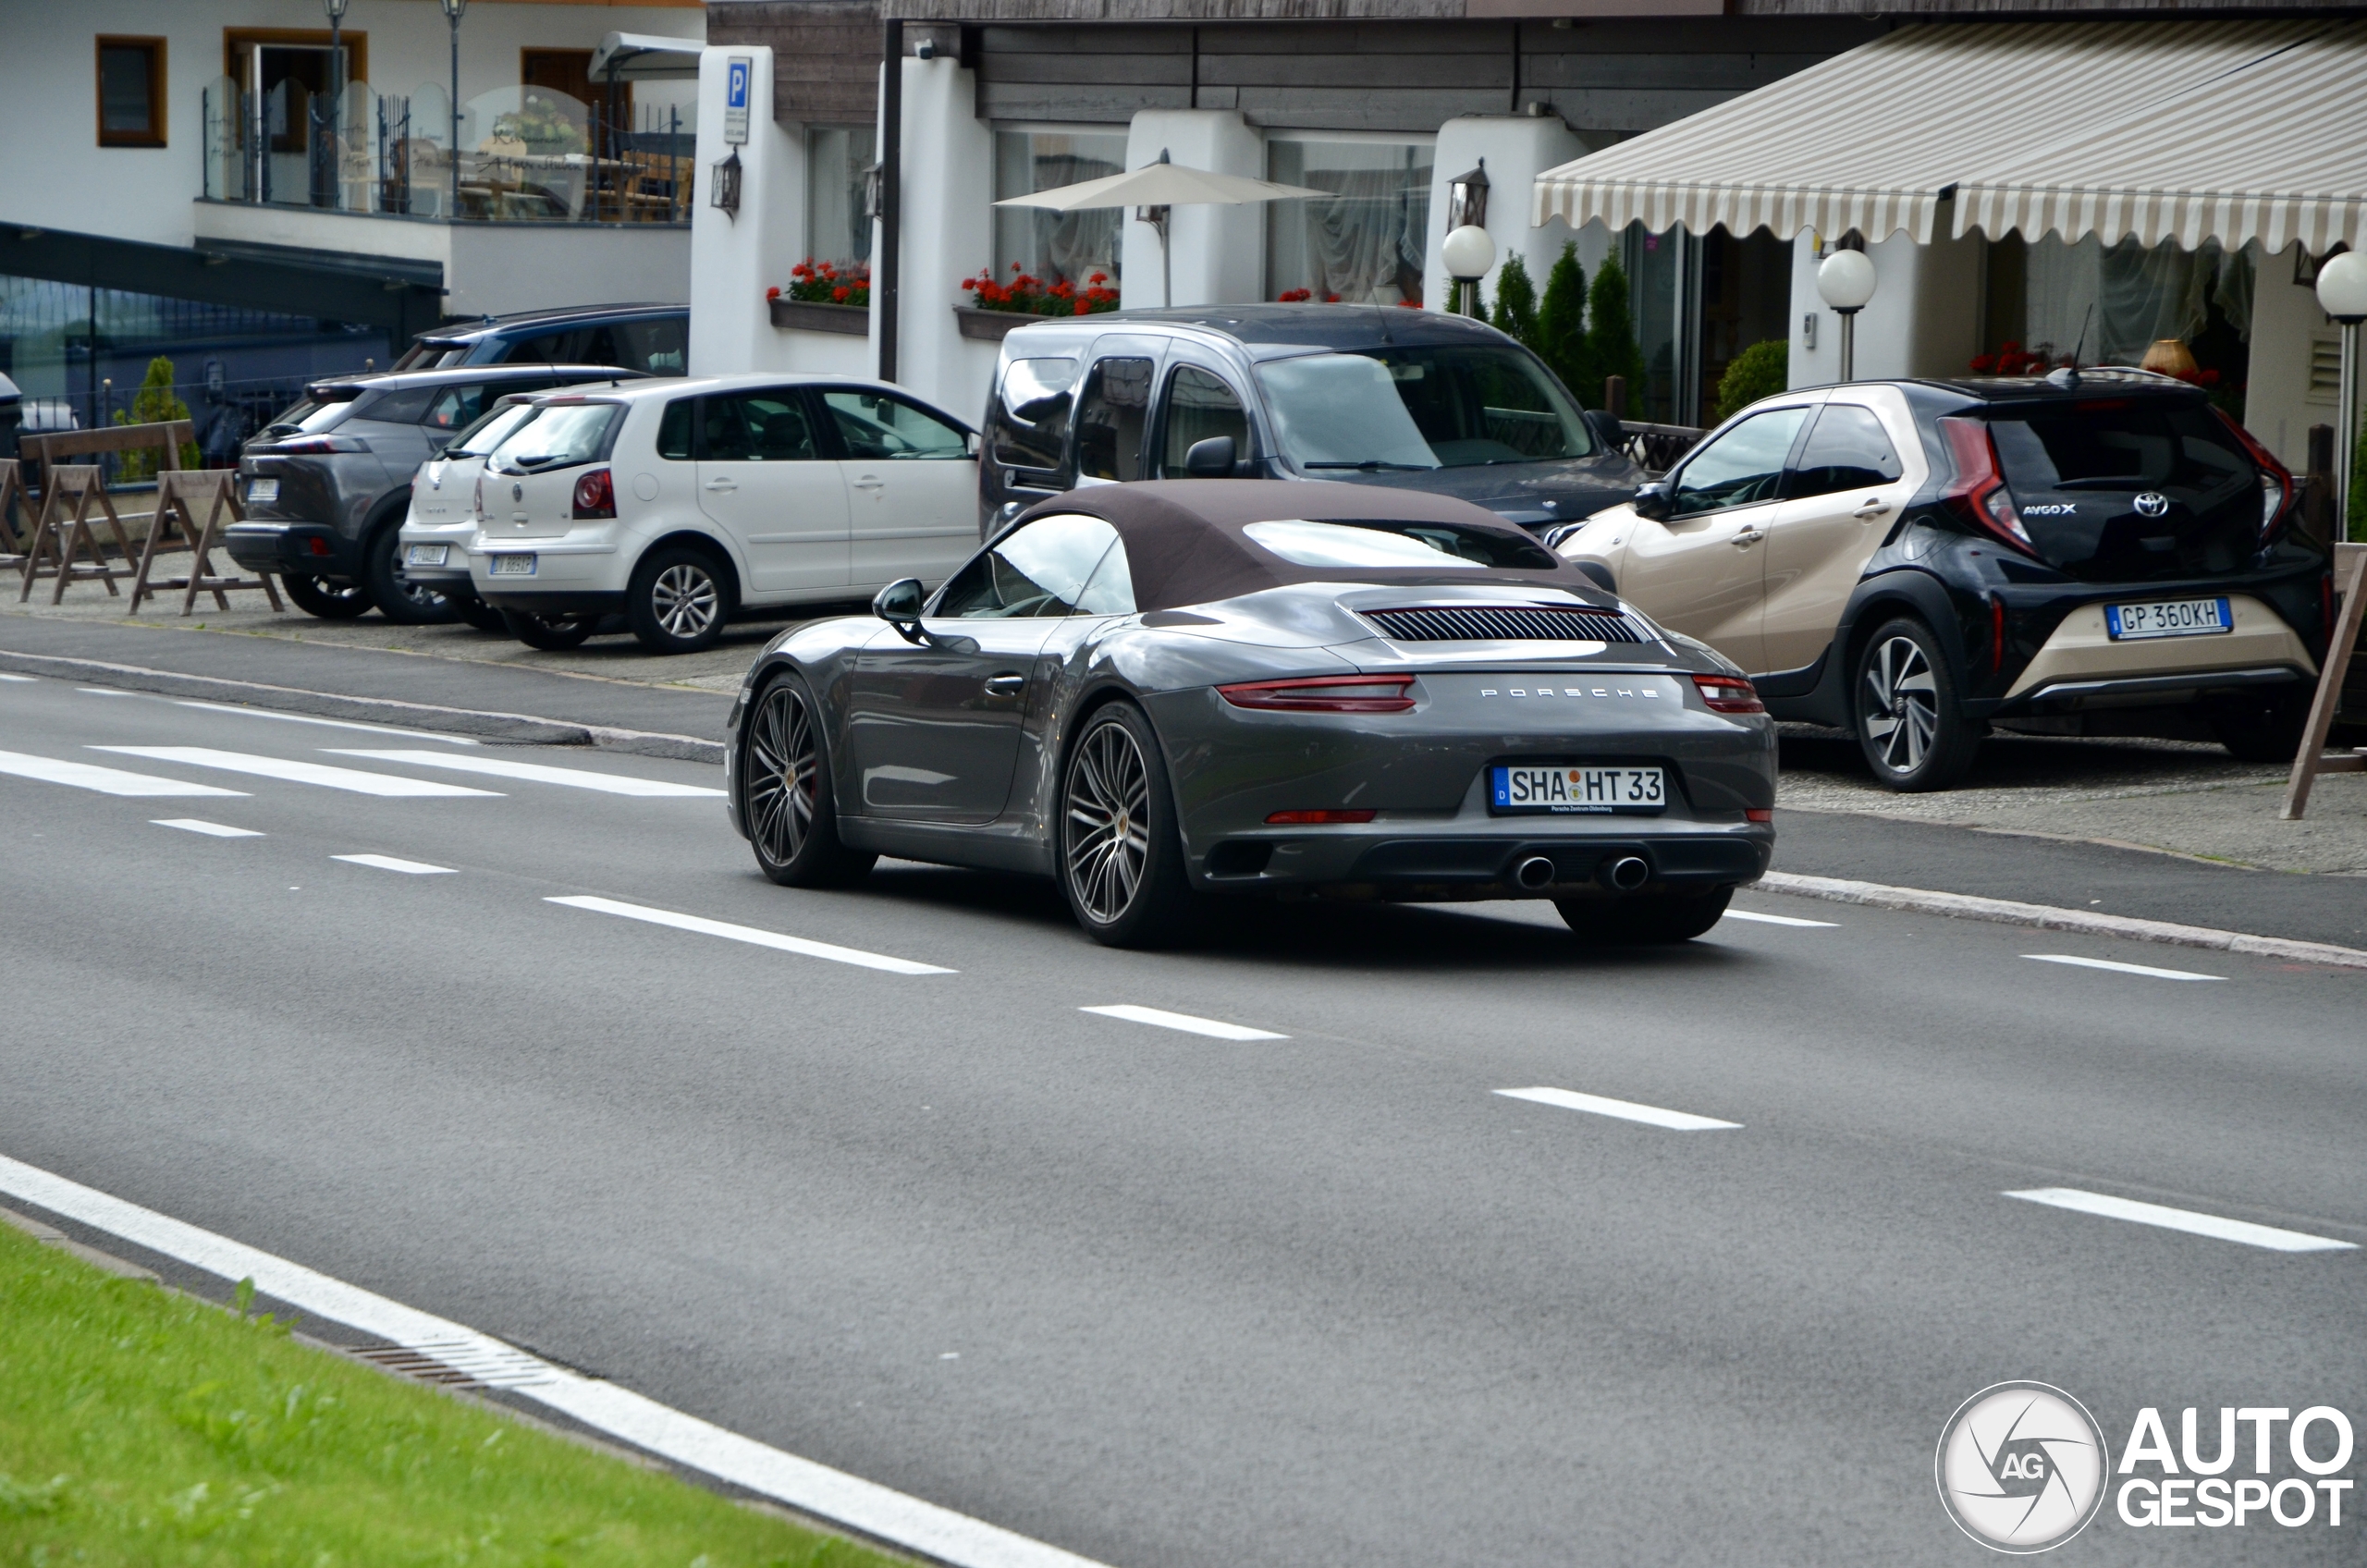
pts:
[1728, 693]
[1325, 693]
[1978, 494]
[595, 496]
[2275, 480]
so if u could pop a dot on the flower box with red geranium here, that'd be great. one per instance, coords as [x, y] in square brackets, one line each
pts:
[1026, 295]
[824, 297]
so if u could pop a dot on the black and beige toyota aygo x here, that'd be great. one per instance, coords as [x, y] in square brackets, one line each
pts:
[1918, 560]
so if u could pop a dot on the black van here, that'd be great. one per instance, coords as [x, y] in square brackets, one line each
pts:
[652, 339]
[1397, 397]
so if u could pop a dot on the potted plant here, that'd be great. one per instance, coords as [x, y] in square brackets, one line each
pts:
[996, 307]
[824, 297]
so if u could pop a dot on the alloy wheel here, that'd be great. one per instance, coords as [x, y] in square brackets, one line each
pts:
[1901, 704]
[1108, 807]
[684, 600]
[784, 774]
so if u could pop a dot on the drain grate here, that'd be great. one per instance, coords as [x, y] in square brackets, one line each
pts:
[465, 1363]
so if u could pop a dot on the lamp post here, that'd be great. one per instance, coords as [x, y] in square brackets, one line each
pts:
[452, 9]
[2342, 290]
[1847, 281]
[324, 125]
[1469, 251]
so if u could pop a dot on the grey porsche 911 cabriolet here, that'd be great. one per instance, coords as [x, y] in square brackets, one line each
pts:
[1163, 694]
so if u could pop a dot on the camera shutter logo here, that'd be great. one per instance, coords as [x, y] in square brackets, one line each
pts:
[2022, 1467]
[2152, 503]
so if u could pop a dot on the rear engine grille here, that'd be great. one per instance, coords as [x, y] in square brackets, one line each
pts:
[1504, 623]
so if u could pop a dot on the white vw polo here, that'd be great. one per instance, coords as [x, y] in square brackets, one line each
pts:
[681, 503]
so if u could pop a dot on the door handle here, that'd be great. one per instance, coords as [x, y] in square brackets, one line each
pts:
[1750, 535]
[868, 481]
[1874, 506]
[1006, 685]
[720, 485]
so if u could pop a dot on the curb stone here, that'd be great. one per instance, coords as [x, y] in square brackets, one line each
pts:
[2047, 917]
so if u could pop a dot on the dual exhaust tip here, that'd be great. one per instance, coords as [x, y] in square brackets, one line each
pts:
[1535, 873]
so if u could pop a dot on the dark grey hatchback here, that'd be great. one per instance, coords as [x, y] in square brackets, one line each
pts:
[326, 484]
[1407, 399]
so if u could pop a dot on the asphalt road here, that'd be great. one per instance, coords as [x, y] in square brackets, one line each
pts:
[1161, 1298]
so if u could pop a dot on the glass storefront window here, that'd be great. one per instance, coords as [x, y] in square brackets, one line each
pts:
[1056, 247]
[2111, 304]
[1366, 244]
[836, 227]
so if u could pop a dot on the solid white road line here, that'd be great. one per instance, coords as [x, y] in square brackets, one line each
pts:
[389, 863]
[2185, 1220]
[195, 824]
[540, 773]
[1778, 919]
[326, 723]
[360, 783]
[1626, 1110]
[924, 1527]
[107, 780]
[25, 678]
[1211, 1027]
[2145, 969]
[750, 935]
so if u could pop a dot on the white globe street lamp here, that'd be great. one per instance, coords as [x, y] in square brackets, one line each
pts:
[2342, 290]
[1469, 252]
[1847, 282]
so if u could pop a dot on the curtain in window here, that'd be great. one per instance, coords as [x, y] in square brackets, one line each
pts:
[1366, 242]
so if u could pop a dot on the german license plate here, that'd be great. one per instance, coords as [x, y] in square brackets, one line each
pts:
[513, 566]
[261, 491]
[1579, 791]
[426, 554]
[2171, 618]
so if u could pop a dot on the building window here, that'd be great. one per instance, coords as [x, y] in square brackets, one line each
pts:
[132, 92]
[1056, 247]
[2115, 304]
[837, 224]
[1367, 244]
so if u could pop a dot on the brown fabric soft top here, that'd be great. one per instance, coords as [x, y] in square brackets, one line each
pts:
[1184, 544]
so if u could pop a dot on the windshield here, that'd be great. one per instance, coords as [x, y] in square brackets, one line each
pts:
[1392, 410]
[321, 407]
[1425, 546]
[489, 432]
[558, 435]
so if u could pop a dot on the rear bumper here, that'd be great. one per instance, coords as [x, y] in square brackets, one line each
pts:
[1466, 860]
[2081, 666]
[563, 602]
[295, 549]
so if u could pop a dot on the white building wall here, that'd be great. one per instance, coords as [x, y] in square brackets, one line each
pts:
[57, 176]
[2287, 325]
[1923, 320]
[1518, 149]
[1219, 251]
[736, 256]
[949, 184]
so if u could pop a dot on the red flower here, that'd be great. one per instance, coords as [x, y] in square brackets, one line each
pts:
[773, 293]
[1331, 299]
[842, 293]
[1293, 296]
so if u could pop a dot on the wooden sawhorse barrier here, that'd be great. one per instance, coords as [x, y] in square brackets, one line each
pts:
[2351, 583]
[180, 493]
[65, 538]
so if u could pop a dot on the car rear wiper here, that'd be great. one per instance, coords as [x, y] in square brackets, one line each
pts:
[1374, 465]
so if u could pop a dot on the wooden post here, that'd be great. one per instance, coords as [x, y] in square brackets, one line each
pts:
[15, 513]
[178, 496]
[1614, 396]
[2350, 582]
[2318, 487]
[85, 483]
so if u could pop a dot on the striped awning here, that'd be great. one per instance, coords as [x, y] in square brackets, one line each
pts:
[2274, 150]
[1876, 139]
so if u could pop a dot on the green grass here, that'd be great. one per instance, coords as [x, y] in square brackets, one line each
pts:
[141, 1427]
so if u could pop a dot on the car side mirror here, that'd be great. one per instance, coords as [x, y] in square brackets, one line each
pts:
[1653, 501]
[1607, 428]
[1211, 458]
[898, 605]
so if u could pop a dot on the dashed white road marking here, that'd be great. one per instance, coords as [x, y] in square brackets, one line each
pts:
[387, 785]
[2117, 968]
[389, 863]
[197, 825]
[107, 780]
[103, 692]
[1777, 918]
[1214, 1028]
[325, 723]
[2186, 1220]
[933, 1532]
[26, 679]
[539, 772]
[1626, 1110]
[750, 935]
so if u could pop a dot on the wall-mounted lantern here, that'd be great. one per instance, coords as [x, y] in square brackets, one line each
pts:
[725, 185]
[1466, 200]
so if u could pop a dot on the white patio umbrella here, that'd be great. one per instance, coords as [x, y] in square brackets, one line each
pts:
[1153, 187]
